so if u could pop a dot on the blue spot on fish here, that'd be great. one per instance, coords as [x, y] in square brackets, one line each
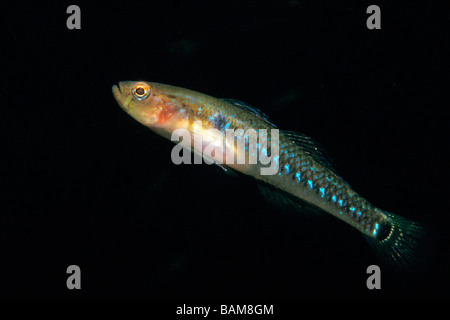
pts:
[333, 198]
[310, 184]
[287, 168]
[376, 229]
[298, 176]
[340, 202]
[322, 191]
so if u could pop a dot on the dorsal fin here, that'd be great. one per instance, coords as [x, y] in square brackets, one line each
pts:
[244, 106]
[311, 147]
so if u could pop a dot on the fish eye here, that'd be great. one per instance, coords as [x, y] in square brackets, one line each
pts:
[141, 91]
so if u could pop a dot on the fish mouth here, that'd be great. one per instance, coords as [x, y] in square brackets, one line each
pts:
[117, 93]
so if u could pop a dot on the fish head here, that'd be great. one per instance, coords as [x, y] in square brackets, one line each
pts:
[148, 103]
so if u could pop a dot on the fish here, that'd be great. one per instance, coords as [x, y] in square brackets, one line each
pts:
[305, 178]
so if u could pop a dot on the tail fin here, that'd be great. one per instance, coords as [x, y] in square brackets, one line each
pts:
[401, 248]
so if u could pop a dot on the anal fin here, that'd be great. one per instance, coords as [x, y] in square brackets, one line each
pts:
[287, 202]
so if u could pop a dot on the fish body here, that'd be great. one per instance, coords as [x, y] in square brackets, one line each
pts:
[304, 174]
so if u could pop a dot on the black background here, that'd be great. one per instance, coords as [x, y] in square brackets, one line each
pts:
[87, 185]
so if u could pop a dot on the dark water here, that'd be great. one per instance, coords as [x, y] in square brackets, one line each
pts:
[87, 185]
